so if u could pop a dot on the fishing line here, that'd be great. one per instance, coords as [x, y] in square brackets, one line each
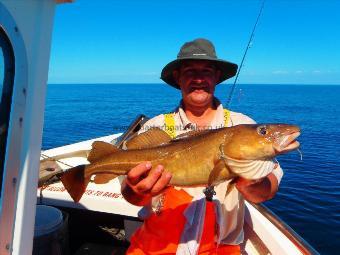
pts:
[209, 191]
[46, 157]
[300, 152]
[245, 53]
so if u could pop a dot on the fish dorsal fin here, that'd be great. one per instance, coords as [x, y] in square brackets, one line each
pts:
[192, 133]
[151, 138]
[100, 150]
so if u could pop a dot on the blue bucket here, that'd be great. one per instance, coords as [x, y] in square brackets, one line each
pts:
[50, 231]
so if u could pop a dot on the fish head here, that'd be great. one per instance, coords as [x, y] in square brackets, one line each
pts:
[261, 141]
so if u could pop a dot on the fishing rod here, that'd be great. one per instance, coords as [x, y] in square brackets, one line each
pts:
[209, 191]
[245, 53]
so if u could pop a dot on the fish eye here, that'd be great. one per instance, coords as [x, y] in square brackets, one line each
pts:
[262, 130]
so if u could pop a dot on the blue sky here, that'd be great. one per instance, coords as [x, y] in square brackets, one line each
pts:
[296, 41]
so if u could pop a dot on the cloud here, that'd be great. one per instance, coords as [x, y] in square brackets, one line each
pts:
[280, 72]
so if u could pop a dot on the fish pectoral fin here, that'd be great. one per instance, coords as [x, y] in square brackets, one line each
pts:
[151, 138]
[103, 178]
[219, 173]
[101, 149]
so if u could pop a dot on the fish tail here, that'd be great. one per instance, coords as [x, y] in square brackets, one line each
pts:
[75, 182]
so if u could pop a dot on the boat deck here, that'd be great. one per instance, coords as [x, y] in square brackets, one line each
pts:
[102, 233]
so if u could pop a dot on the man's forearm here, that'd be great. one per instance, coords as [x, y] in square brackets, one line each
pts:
[259, 191]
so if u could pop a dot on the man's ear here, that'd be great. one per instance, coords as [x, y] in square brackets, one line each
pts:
[218, 74]
[175, 74]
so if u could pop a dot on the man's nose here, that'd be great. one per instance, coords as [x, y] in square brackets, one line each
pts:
[198, 80]
[198, 77]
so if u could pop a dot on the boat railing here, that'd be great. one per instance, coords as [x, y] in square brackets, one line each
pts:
[133, 128]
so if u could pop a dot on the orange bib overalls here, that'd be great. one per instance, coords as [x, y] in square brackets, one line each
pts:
[160, 234]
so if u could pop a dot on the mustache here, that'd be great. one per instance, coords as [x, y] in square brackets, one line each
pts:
[202, 86]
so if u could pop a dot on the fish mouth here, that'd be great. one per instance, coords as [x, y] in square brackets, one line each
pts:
[287, 142]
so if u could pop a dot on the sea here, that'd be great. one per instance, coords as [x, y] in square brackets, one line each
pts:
[309, 196]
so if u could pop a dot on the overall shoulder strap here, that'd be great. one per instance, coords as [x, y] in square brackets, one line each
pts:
[226, 113]
[169, 121]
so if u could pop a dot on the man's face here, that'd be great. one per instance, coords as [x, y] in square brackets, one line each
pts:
[197, 80]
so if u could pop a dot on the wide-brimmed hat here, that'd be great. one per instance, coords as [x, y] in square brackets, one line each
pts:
[199, 49]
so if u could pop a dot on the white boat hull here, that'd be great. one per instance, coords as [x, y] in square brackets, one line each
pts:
[262, 236]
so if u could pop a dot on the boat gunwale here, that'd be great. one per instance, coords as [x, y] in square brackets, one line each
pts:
[286, 230]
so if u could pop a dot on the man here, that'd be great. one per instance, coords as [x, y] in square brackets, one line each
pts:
[173, 216]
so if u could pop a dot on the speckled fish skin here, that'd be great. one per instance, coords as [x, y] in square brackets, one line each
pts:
[192, 159]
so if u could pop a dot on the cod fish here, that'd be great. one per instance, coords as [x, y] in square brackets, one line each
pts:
[196, 158]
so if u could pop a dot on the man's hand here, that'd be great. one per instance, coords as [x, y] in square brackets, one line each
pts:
[143, 182]
[258, 191]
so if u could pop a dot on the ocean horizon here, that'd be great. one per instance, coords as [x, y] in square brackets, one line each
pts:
[160, 83]
[309, 196]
